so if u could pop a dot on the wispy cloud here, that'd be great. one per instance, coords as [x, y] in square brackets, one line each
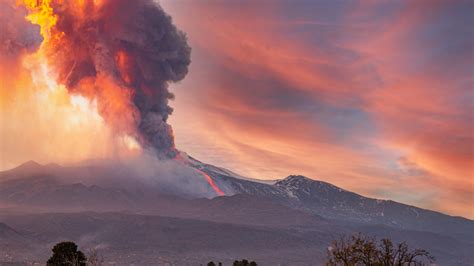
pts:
[339, 91]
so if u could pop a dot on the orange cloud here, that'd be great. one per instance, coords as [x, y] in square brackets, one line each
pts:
[335, 92]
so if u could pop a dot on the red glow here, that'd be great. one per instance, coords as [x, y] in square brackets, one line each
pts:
[209, 179]
[124, 63]
[211, 183]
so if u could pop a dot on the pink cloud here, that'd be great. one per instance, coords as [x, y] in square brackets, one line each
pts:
[341, 100]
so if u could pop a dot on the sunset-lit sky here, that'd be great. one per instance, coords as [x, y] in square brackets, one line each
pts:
[373, 96]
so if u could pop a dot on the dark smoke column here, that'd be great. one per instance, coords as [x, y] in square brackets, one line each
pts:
[161, 55]
[135, 44]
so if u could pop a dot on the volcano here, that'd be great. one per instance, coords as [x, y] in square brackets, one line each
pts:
[93, 79]
[136, 217]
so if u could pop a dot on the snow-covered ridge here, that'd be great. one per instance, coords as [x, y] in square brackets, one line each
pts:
[221, 171]
[297, 181]
[329, 201]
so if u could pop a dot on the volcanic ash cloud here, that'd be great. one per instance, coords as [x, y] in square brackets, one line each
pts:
[17, 36]
[122, 54]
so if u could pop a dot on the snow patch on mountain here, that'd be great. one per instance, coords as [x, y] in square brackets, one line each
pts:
[208, 168]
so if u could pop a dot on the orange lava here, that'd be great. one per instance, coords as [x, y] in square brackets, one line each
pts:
[211, 183]
[209, 179]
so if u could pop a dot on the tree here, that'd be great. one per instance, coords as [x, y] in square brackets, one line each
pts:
[94, 259]
[363, 250]
[244, 263]
[66, 254]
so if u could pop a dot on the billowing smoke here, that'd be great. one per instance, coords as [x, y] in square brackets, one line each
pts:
[90, 80]
[17, 36]
[123, 54]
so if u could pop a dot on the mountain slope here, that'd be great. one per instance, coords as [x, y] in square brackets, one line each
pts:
[107, 187]
[294, 204]
[332, 202]
[126, 238]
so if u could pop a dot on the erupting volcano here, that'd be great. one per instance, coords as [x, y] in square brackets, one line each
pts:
[340, 119]
[98, 74]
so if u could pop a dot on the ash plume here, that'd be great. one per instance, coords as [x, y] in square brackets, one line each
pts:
[17, 36]
[130, 47]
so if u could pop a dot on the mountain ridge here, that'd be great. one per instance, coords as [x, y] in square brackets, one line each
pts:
[296, 209]
[295, 191]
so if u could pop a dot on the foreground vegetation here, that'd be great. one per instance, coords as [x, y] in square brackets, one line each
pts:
[348, 251]
[236, 263]
[364, 250]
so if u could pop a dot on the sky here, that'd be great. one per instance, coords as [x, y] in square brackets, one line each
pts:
[373, 96]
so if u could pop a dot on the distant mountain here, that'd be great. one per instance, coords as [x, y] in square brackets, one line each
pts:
[107, 187]
[332, 202]
[44, 204]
